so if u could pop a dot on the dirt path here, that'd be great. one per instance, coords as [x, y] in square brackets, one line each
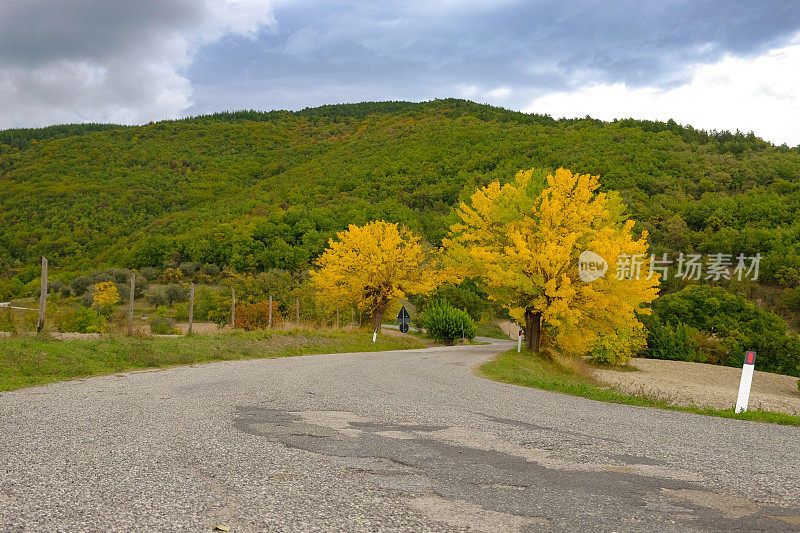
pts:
[704, 385]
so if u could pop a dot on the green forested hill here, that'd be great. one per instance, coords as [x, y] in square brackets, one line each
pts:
[254, 191]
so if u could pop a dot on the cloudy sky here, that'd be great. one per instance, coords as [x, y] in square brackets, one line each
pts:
[715, 64]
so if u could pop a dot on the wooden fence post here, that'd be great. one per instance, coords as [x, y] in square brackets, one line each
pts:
[191, 308]
[297, 309]
[233, 308]
[42, 296]
[130, 304]
[337, 316]
[270, 310]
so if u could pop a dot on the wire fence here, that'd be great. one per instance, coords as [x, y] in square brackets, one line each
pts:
[178, 308]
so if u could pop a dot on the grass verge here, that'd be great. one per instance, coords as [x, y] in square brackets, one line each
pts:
[572, 377]
[28, 361]
[489, 330]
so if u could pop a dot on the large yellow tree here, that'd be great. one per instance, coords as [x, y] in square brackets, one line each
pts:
[372, 265]
[524, 240]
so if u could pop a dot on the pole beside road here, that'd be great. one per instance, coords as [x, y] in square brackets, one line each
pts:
[130, 303]
[191, 308]
[42, 296]
[233, 308]
[747, 379]
[519, 341]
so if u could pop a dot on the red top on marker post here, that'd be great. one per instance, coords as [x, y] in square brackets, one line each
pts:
[750, 358]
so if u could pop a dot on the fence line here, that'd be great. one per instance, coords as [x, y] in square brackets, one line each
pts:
[326, 317]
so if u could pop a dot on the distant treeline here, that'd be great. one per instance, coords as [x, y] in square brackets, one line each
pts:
[254, 191]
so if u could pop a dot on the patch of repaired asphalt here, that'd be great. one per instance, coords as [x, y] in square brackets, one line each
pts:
[466, 479]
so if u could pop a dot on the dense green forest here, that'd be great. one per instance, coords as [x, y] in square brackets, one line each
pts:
[254, 191]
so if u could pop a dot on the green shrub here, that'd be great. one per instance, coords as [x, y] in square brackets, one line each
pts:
[155, 296]
[466, 296]
[10, 289]
[80, 285]
[618, 348]
[445, 323]
[205, 302]
[148, 273]
[665, 341]
[81, 320]
[729, 323]
[181, 311]
[175, 292]
[161, 324]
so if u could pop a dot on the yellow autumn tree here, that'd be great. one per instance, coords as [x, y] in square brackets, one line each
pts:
[372, 265]
[524, 240]
[105, 297]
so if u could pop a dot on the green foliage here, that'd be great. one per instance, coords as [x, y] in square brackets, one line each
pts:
[465, 296]
[161, 324]
[445, 323]
[10, 288]
[255, 191]
[618, 348]
[258, 287]
[81, 284]
[252, 191]
[80, 320]
[667, 341]
[175, 292]
[120, 276]
[737, 323]
[156, 296]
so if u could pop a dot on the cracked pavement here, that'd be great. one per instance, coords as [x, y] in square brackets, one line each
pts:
[407, 440]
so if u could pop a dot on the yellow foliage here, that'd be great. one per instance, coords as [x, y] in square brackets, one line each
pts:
[173, 275]
[105, 296]
[372, 265]
[524, 239]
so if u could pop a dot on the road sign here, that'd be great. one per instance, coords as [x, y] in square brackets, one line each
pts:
[403, 317]
[404, 327]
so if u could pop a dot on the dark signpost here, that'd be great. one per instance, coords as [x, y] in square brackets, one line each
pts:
[403, 318]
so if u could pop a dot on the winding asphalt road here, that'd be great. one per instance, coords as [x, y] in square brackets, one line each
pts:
[408, 440]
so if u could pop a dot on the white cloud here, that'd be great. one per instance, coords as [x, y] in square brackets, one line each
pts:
[101, 62]
[759, 94]
[499, 92]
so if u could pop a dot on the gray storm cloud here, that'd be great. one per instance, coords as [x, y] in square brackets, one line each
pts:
[94, 60]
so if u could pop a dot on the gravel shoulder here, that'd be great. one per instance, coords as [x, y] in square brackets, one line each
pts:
[703, 385]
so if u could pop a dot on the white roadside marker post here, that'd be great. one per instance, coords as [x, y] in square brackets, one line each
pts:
[747, 379]
[519, 341]
[375, 335]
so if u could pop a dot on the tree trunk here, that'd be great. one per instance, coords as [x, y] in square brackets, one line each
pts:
[377, 316]
[533, 322]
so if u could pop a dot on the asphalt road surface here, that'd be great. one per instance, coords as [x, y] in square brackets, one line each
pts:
[409, 440]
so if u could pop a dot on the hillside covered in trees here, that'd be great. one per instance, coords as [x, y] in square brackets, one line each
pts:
[253, 191]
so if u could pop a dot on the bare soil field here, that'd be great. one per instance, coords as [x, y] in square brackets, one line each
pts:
[703, 385]
[201, 328]
[510, 328]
